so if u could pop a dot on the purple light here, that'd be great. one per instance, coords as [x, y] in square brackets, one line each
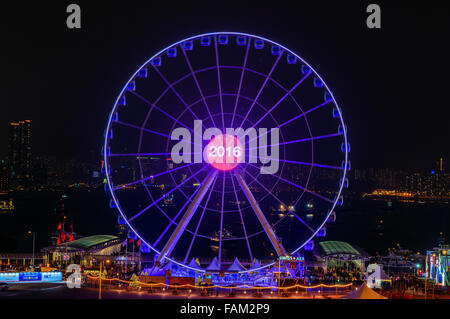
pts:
[345, 163]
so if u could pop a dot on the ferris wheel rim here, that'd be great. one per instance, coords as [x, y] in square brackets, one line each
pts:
[106, 142]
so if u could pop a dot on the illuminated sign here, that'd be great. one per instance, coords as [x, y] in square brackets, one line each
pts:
[31, 276]
[292, 258]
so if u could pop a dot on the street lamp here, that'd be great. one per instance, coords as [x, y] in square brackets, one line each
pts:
[34, 237]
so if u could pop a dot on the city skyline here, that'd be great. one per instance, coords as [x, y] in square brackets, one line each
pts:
[393, 119]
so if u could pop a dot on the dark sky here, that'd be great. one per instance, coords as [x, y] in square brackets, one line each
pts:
[391, 83]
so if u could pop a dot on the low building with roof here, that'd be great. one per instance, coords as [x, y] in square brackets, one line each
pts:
[79, 250]
[335, 254]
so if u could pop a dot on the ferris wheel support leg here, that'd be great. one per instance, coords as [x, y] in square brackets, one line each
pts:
[262, 218]
[167, 250]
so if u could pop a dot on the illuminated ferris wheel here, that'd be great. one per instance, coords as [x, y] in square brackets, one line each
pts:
[226, 145]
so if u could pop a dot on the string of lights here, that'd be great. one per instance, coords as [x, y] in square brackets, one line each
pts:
[163, 285]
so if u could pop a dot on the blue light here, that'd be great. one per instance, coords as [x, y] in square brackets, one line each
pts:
[340, 129]
[112, 204]
[108, 151]
[115, 117]
[132, 235]
[346, 183]
[110, 134]
[121, 220]
[131, 86]
[259, 44]
[143, 73]
[241, 40]
[322, 232]
[223, 39]
[335, 113]
[343, 148]
[317, 83]
[327, 97]
[305, 69]
[433, 172]
[188, 45]
[122, 101]
[340, 201]
[156, 61]
[172, 52]
[291, 59]
[205, 41]
[348, 165]
[309, 245]
[276, 50]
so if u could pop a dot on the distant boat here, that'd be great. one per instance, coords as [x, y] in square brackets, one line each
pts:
[168, 200]
[225, 235]
[310, 205]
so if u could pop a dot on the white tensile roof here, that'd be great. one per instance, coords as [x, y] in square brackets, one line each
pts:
[236, 266]
[214, 265]
[364, 292]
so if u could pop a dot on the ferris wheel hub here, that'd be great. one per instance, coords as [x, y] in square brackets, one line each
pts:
[224, 152]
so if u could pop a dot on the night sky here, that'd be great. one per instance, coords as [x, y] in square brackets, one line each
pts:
[391, 83]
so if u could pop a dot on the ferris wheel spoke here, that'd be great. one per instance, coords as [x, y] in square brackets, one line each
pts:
[298, 186]
[242, 220]
[161, 110]
[309, 139]
[262, 87]
[169, 192]
[194, 76]
[171, 243]
[200, 220]
[300, 163]
[172, 220]
[150, 177]
[294, 118]
[282, 99]
[279, 201]
[301, 140]
[176, 92]
[136, 154]
[219, 82]
[305, 113]
[141, 128]
[281, 251]
[240, 81]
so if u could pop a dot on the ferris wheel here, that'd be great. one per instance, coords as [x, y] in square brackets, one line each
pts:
[226, 145]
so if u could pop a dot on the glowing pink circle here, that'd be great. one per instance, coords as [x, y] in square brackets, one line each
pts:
[224, 152]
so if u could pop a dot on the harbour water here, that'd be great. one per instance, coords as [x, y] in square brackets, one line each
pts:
[372, 225]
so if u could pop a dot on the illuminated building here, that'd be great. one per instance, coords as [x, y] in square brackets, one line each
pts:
[20, 153]
[438, 265]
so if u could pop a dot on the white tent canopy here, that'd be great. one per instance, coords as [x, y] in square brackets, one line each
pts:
[255, 264]
[214, 265]
[194, 264]
[364, 292]
[236, 266]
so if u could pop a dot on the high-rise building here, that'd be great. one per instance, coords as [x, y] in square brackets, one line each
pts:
[4, 176]
[20, 153]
